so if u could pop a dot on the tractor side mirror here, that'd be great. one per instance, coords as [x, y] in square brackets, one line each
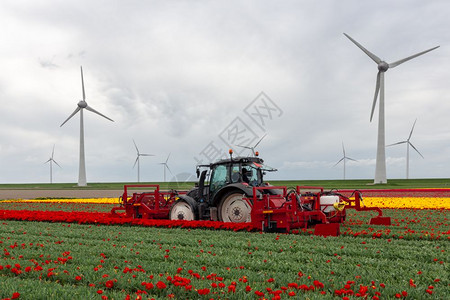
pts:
[198, 172]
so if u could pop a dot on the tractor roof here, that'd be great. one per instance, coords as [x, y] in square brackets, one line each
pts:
[258, 162]
[238, 159]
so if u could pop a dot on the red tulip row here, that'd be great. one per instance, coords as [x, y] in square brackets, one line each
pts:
[408, 224]
[109, 219]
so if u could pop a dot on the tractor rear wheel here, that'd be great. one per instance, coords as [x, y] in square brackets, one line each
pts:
[181, 210]
[233, 208]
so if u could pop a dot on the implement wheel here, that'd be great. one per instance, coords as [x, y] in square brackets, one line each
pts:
[234, 209]
[181, 210]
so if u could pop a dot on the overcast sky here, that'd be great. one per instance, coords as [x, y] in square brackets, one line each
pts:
[187, 78]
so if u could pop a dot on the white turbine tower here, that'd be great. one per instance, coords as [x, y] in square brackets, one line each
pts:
[408, 143]
[166, 166]
[80, 107]
[380, 169]
[51, 161]
[344, 158]
[138, 159]
[253, 148]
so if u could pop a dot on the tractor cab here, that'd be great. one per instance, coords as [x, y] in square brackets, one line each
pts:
[221, 188]
[242, 172]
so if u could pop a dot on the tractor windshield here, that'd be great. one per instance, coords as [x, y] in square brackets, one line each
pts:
[251, 174]
[246, 171]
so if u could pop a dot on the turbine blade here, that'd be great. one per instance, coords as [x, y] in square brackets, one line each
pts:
[339, 161]
[48, 160]
[370, 54]
[399, 62]
[137, 150]
[260, 140]
[167, 166]
[416, 150]
[377, 90]
[397, 143]
[56, 163]
[351, 159]
[94, 111]
[135, 162]
[75, 111]
[246, 147]
[53, 151]
[343, 149]
[412, 129]
[82, 83]
[167, 159]
[144, 154]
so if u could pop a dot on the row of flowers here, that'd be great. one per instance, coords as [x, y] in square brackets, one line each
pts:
[381, 202]
[408, 202]
[66, 200]
[406, 223]
[397, 198]
[109, 219]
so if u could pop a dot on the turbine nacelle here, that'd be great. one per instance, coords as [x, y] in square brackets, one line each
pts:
[82, 104]
[383, 66]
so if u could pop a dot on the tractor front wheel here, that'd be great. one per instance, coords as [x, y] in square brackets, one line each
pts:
[233, 208]
[181, 210]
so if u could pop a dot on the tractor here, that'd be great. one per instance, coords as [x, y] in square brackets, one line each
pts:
[221, 191]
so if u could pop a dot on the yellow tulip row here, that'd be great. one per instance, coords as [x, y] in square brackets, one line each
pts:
[381, 202]
[408, 202]
[76, 200]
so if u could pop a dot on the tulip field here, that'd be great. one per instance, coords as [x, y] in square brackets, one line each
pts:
[73, 249]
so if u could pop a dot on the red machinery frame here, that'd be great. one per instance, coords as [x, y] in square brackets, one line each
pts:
[287, 211]
[153, 204]
[293, 209]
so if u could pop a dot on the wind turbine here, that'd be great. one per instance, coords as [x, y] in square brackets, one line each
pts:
[253, 148]
[166, 166]
[380, 169]
[51, 161]
[344, 158]
[82, 104]
[408, 143]
[137, 159]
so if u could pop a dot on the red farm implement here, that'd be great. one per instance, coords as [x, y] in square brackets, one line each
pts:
[149, 204]
[236, 193]
[265, 208]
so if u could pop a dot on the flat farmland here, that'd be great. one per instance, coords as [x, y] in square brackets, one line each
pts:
[76, 260]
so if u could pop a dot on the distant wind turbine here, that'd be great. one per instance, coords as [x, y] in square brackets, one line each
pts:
[380, 169]
[51, 161]
[82, 104]
[138, 158]
[253, 148]
[408, 143]
[343, 159]
[166, 166]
